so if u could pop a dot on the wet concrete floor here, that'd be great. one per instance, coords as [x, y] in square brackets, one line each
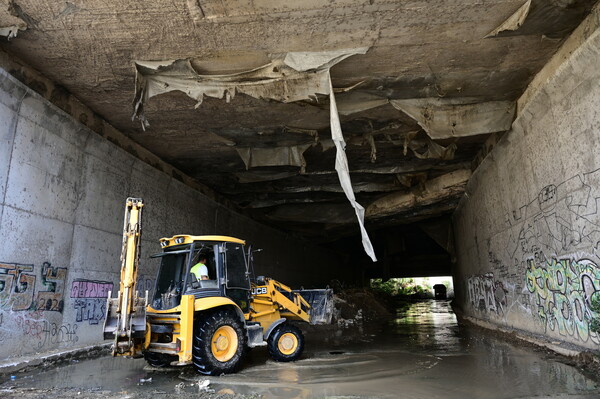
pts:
[422, 353]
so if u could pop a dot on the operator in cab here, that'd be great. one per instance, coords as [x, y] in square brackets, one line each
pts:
[199, 269]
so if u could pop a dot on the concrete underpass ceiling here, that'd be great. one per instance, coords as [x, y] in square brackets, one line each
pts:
[449, 52]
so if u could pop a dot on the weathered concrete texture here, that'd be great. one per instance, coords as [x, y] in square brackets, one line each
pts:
[527, 232]
[62, 191]
[446, 66]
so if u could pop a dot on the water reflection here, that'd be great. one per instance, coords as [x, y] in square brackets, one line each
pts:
[423, 353]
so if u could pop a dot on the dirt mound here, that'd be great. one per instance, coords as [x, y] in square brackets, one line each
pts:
[359, 305]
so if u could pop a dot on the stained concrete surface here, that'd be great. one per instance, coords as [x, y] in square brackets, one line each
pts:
[527, 232]
[421, 353]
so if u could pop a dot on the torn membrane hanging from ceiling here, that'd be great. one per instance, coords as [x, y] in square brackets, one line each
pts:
[514, 22]
[286, 145]
[550, 19]
[274, 156]
[443, 118]
[10, 20]
[287, 78]
[341, 166]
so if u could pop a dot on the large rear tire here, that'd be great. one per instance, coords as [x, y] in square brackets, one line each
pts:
[286, 343]
[219, 341]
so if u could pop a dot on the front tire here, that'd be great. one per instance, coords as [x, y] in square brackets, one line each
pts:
[219, 342]
[286, 343]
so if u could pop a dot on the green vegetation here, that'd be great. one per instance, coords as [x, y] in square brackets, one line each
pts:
[402, 287]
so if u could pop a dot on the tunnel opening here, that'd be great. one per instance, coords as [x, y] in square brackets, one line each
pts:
[411, 250]
[440, 287]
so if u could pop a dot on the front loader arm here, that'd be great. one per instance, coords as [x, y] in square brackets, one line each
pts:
[275, 297]
[126, 317]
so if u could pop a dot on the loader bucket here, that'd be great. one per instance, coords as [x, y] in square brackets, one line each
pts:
[321, 304]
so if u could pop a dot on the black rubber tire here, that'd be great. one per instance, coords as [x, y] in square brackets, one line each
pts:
[158, 360]
[206, 325]
[273, 343]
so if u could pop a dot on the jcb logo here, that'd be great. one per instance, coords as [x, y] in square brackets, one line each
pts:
[259, 290]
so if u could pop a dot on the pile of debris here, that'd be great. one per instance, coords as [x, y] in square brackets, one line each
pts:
[356, 313]
[358, 306]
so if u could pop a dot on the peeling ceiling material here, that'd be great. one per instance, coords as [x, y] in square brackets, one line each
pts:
[11, 19]
[441, 118]
[354, 102]
[458, 117]
[275, 156]
[513, 22]
[430, 58]
[552, 19]
[9, 31]
[434, 151]
[287, 78]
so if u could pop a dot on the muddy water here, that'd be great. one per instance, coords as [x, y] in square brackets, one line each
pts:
[421, 354]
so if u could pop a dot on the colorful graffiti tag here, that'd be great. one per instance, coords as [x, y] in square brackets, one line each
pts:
[90, 299]
[18, 287]
[563, 289]
[487, 294]
[53, 279]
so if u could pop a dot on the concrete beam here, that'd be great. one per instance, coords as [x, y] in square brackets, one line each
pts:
[433, 191]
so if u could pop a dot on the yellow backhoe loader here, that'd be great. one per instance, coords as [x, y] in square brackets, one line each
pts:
[207, 321]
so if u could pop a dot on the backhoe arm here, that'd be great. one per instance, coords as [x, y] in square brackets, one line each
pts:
[126, 317]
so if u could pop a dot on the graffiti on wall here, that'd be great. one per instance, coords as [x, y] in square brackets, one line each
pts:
[563, 290]
[545, 260]
[33, 325]
[18, 287]
[90, 289]
[561, 218]
[487, 294]
[564, 218]
[53, 278]
[53, 334]
[89, 299]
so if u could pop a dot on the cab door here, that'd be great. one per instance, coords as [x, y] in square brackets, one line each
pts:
[237, 281]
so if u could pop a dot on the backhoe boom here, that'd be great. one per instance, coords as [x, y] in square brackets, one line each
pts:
[126, 314]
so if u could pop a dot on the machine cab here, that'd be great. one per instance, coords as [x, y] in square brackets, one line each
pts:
[224, 270]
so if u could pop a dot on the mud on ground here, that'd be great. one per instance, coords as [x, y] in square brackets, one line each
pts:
[32, 393]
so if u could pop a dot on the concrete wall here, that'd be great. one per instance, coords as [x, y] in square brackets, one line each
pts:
[62, 195]
[528, 230]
